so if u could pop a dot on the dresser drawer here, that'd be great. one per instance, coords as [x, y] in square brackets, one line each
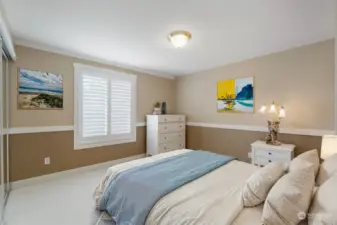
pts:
[172, 137]
[171, 118]
[272, 154]
[171, 146]
[171, 127]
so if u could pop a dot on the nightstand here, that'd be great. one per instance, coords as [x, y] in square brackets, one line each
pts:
[262, 153]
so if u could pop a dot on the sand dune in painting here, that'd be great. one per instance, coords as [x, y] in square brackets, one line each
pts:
[40, 90]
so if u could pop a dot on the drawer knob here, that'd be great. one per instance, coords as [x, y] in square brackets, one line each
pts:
[270, 161]
[165, 137]
[165, 128]
[269, 153]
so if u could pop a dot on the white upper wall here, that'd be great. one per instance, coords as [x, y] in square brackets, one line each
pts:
[133, 34]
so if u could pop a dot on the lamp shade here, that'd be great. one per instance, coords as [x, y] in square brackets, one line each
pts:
[329, 146]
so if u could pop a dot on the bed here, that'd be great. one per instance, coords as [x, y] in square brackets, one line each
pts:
[214, 198]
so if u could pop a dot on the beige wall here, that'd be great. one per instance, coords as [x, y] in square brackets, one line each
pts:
[302, 79]
[27, 151]
[149, 89]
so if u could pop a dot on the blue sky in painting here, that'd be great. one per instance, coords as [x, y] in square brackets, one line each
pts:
[242, 82]
[37, 80]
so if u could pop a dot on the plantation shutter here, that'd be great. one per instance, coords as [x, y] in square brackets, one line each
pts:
[95, 106]
[121, 100]
[105, 107]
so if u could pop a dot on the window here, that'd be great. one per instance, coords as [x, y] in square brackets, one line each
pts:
[105, 107]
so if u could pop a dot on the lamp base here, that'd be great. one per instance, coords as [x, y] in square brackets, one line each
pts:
[272, 136]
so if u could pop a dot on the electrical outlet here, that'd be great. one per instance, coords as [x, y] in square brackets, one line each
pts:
[47, 160]
[249, 155]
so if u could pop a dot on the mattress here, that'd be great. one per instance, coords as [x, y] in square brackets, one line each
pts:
[213, 199]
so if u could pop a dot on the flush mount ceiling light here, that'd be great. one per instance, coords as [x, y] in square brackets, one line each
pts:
[179, 38]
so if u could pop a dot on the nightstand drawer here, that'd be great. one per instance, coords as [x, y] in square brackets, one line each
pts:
[272, 154]
[262, 161]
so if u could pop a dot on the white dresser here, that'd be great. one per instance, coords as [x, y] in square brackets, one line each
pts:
[262, 153]
[164, 133]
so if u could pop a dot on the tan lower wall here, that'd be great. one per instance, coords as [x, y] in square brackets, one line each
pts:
[29, 150]
[237, 142]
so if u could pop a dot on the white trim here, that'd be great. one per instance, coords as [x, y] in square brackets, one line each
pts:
[141, 124]
[335, 97]
[6, 33]
[310, 132]
[51, 177]
[27, 130]
[56, 50]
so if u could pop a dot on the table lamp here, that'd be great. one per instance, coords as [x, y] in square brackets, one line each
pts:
[274, 114]
[329, 146]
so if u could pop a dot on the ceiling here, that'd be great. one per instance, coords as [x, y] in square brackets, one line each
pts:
[133, 34]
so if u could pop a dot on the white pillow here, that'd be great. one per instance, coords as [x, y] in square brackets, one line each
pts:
[257, 187]
[288, 201]
[310, 157]
[323, 210]
[327, 169]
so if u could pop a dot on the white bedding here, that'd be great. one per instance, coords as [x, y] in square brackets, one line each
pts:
[249, 216]
[210, 200]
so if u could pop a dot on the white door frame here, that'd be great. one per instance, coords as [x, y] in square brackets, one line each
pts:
[2, 189]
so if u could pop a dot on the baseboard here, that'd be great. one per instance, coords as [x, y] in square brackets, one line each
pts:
[49, 177]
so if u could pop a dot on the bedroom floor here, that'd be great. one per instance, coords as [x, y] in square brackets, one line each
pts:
[66, 201]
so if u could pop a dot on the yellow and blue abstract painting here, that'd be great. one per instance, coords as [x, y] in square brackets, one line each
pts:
[236, 95]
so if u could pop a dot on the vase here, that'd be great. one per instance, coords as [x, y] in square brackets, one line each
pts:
[156, 111]
[163, 108]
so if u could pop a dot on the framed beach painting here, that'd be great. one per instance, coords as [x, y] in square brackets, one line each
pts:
[39, 90]
[236, 95]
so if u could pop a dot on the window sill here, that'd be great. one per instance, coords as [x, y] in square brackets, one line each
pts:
[86, 146]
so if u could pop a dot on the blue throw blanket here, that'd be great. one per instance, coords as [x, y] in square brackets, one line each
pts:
[130, 197]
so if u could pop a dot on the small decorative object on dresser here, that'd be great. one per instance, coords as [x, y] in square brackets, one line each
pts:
[163, 108]
[164, 133]
[263, 153]
[156, 110]
[274, 114]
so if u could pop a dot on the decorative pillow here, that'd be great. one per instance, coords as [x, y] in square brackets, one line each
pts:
[311, 157]
[327, 169]
[256, 188]
[323, 209]
[289, 199]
